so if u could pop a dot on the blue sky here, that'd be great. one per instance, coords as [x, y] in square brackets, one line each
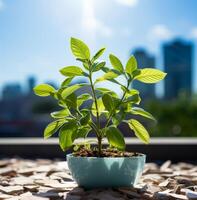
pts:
[34, 34]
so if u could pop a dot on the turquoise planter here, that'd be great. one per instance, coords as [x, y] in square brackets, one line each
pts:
[92, 172]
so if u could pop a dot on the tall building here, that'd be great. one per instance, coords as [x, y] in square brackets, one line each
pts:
[178, 62]
[11, 91]
[144, 60]
[31, 83]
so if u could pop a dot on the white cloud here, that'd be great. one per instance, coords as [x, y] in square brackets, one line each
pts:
[193, 33]
[130, 3]
[91, 24]
[157, 34]
[1, 5]
[160, 31]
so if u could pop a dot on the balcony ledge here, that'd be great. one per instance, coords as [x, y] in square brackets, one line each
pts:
[160, 149]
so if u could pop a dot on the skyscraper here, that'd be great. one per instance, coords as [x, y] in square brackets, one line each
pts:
[11, 91]
[144, 60]
[31, 83]
[178, 62]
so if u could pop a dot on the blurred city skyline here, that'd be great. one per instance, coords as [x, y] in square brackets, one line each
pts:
[179, 65]
[34, 36]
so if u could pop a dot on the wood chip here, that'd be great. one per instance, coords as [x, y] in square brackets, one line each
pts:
[5, 196]
[61, 175]
[34, 197]
[165, 165]
[32, 188]
[4, 163]
[11, 189]
[164, 183]
[21, 180]
[8, 171]
[46, 179]
[26, 172]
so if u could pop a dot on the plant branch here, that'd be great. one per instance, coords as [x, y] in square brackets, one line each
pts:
[95, 100]
[120, 102]
[93, 126]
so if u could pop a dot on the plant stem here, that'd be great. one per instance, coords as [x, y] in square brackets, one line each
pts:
[95, 101]
[99, 145]
[99, 137]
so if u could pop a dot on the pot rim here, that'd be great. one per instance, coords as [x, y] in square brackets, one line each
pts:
[132, 157]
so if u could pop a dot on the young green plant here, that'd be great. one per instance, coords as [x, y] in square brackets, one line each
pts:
[81, 114]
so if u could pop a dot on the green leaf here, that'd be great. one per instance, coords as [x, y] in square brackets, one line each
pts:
[115, 81]
[62, 103]
[101, 91]
[131, 65]
[133, 99]
[129, 92]
[85, 119]
[44, 90]
[83, 132]
[116, 120]
[69, 90]
[116, 72]
[125, 107]
[71, 71]
[60, 114]
[82, 98]
[105, 69]
[132, 96]
[142, 112]
[101, 107]
[53, 127]
[71, 101]
[136, 73]
[139, 130]
[149, 75]
[82, 60]
[108, 102]
[116, 63]
[98, 54]
[118, 117]
[109, 75]
[98, 66]
[86, 66]
[79, 49]
[67, 81]
[115, 137]
[67, 135]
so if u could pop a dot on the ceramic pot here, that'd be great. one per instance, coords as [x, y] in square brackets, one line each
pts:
[94, 172]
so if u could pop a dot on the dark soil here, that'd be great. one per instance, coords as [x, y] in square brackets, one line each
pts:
[105, 153]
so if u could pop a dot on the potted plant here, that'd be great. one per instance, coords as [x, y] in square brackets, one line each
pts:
[95, 166]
